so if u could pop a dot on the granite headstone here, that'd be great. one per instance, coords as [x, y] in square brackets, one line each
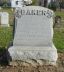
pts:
[33, 34]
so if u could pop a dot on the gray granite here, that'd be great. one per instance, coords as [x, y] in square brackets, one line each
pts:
[33, 34]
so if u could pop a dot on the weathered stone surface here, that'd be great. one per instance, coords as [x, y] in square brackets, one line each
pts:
[33, 35]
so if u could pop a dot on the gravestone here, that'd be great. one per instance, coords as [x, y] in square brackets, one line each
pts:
[4, 19]
[33, 34]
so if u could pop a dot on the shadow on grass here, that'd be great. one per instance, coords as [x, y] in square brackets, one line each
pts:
[4, 56]
[60, 50]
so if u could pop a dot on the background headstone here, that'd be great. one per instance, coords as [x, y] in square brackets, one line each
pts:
[4, 19]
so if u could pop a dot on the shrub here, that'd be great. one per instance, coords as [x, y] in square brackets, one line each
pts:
[5, 5]
[34, 2]
[52, 6]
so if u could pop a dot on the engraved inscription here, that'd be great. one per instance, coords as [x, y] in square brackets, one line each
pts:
[47, 13]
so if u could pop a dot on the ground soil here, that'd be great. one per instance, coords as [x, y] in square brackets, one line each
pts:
[29, 68]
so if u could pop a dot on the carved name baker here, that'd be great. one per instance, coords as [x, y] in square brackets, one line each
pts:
[21, 12]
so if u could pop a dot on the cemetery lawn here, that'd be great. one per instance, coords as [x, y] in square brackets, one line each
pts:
[59, 38]
[59, 33]
[60, 13]
[5, 36]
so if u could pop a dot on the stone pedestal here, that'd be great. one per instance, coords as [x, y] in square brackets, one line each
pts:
[36, 53]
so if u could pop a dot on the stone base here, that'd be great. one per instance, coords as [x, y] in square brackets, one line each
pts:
[36, 53]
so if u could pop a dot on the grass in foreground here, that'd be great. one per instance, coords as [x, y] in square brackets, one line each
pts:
[5, 36]
[60, 13]
[59, 38]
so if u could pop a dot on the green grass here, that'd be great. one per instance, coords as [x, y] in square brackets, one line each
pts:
[59, 33]
[59, 38]
[34, 2]
[60, 13]
[6, 33]
[5, 36]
